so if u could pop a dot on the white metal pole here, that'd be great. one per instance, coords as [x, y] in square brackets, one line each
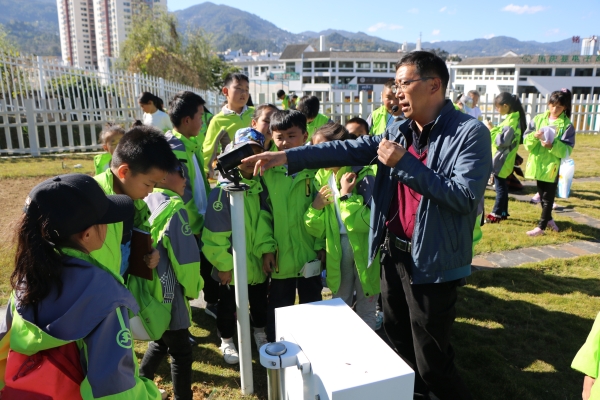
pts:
[241, 290]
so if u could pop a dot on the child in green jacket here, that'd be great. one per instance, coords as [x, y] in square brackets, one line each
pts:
[233, 116]
[549, 138]
[309, 106]
[587, 361]
[260, 248]
[261, 121]
[176, 279]
[110, 137]
[67, 303]
[141, 160]
[506, 138]
[290, 196]
[340, 214]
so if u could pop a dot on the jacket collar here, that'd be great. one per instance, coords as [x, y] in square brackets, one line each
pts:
[406, 131]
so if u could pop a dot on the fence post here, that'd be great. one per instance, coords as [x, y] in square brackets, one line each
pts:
[34, 146]
[41, 79]
[363, 104]
[161, 83]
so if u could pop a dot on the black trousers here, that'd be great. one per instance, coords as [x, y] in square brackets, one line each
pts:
[501, 205]
[178, 346]
[418, 320]
[257, 297]
[547, 191]
[211, 287]
[282, 293]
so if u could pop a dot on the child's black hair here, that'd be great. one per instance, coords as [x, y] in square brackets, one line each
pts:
[359, 121]
[184, 104]
[309, 106]
[230, 78]
[280, 93]
[147, 97]
[389, 83]
[562, 97]
[514, 105]
[282, 120]
[258, 111]
[110, 127]
[332, 131]
[143, 148]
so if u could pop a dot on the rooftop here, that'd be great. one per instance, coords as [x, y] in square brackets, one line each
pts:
[298, 51]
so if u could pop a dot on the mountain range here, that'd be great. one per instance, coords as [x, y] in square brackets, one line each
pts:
[34, 29]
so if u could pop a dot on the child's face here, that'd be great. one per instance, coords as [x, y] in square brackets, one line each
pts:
[237, 94]
[475, 99]
[289, 138]
[247, 170]
[262, 124]
[148, 108]
[111, 140]
[356, 129]
[503, 109]
[138, 186]
[190, 126]
[389, 100]
[555, 110]
[174, 181]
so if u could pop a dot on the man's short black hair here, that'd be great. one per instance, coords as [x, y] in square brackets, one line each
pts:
[282, 120]
[359, 121]
[389, 83]
[427, 64]
[280, 93]
[143, 148]
[309, 106]
[235, 77]
[184, 104]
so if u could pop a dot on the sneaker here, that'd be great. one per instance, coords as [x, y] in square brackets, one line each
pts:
[555, 206]
[212, 309]
[552, 225]
[535, 199]
[260, 338]
[493, 219]
[535, 232]
[378, 320]
[230, 353]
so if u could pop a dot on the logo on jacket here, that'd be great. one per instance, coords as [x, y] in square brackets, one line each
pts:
[217, 206]
[186, 230]
[124, 338]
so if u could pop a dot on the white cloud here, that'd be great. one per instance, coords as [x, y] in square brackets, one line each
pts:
[413, 11]
[523, 9]
[434, 41]
[491, 35]
[551, 32]
[443, 9]
[383, 26]
[435, 32]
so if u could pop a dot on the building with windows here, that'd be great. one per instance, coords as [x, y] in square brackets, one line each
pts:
[589, 46]
[527, 74]
[91, 30]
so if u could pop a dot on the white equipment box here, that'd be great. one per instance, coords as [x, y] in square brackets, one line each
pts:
[339, 356]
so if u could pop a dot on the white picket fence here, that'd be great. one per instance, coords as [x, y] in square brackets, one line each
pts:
[66, 107]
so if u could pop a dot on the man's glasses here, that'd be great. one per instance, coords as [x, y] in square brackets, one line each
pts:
[404, 85]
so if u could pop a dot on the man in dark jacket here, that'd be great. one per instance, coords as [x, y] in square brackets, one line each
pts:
[432, 172]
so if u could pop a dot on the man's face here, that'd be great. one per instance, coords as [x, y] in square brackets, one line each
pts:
[237, 93]
[289, 138]
[389, 100]
[415, 99]
[356, 129]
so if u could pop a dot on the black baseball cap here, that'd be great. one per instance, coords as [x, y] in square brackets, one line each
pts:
[74, 202]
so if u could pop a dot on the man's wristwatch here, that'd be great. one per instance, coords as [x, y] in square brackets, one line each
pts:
[345, 197]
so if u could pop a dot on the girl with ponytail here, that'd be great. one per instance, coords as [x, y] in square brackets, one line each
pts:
[506, 138]
[154, 113]
[549, 138]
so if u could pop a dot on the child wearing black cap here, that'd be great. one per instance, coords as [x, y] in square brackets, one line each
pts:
[59, 304]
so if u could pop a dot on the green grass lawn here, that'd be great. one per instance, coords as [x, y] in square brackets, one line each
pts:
[510, 234]
[584, 198]
[23, 167]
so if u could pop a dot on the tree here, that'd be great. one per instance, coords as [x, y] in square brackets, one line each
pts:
[6, 45]
[156, 47]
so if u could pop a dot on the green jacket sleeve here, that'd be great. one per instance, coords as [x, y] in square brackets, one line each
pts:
[315, 222]
[530, 142]
[216, 235]
[184, 255]
[587, 359]
[355, 214]
[265, 242]
[562, 148]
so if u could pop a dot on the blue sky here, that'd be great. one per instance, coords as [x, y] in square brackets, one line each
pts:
[543, 21]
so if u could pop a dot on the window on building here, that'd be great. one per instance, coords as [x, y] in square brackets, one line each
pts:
[584, 71]
[306, 79]
[264, 69]
[480, 89]
[380, 66]
[459, 88]
[307, 66]
[506, 88]
[344, 80]
[596, 91]
[536, 72]
[321, 79]
[290, 67]
[478, 71]
[563, 72]
[490, 71]
[127, 10]
[506, 71]
[464, 71]
[582, 90]
[526, 90]
[321, 66]
[363, 66]
[346, 66]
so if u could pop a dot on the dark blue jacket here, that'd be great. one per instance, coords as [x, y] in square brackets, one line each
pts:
[459, 163]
